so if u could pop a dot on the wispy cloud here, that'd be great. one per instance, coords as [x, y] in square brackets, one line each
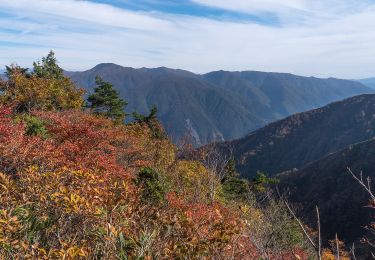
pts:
[257, 6]
[322, 38]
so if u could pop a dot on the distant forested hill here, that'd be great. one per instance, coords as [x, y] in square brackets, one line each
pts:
[327, 184]
[369, 82]
[219, 105]
[305, 137]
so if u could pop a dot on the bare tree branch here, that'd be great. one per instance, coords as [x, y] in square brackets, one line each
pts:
[352, 250]
[319, 235]
[300, 224]
[366, 186]
[337, 248]
[215, 162]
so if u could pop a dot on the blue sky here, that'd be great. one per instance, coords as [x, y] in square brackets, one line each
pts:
[320, 38]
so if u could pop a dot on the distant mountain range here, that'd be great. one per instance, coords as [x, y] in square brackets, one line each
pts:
[369, 82]
[219, 105]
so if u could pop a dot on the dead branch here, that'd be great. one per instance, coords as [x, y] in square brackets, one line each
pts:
[366, 185]
[319, 235]
[300, 224]
[337, 247]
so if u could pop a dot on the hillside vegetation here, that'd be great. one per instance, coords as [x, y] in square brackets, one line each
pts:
[305, 137]
[328, 184]
[77, 183]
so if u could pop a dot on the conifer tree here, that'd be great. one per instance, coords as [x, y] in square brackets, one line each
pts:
[106, 101]
[152, 122]
[152, 116]
[48, 68]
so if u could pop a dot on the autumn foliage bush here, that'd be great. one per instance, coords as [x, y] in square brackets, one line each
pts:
[26, 92]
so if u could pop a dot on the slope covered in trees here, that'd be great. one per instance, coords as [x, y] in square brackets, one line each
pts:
[76, 184]
[286, 94]
[328, 184]
[219, 105]
[302, 138]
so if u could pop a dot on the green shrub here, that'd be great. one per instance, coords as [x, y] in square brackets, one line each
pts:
[235, 188]
[153, 187]
[35, 127]
[261, 182]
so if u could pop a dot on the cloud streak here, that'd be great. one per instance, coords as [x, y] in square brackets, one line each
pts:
[327, 38]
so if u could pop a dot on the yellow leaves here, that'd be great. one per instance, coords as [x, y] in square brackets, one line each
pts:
[67, 252]
[41, 93]
[218, 214]
[73, 203]
[191, 170]
[32, 169]
[6, 185]
[10, 226]
[328, 255]
[7, 219]
[99, 211]
[192, 178]
[74, 199]
[73, 252]
[69, 201]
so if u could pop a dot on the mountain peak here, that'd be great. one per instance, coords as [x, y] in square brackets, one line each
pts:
[107, 65]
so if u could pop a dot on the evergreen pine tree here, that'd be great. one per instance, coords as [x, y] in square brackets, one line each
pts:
[48, 68]
[105, 101]
[152, 122]
[139, 118]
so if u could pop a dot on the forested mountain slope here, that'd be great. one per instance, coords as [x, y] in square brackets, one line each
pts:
[305, 137]
[220, 105]
[326, 183]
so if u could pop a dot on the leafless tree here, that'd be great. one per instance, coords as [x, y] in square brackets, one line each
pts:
[215, 161]
[317, 246]
[366, 184]
[319, 249]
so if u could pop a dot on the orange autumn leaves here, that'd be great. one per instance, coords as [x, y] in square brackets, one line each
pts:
[76, 140]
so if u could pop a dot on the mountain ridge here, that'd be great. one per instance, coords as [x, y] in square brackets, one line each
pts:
[216, 110]
[305, 137]
[368, 82]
